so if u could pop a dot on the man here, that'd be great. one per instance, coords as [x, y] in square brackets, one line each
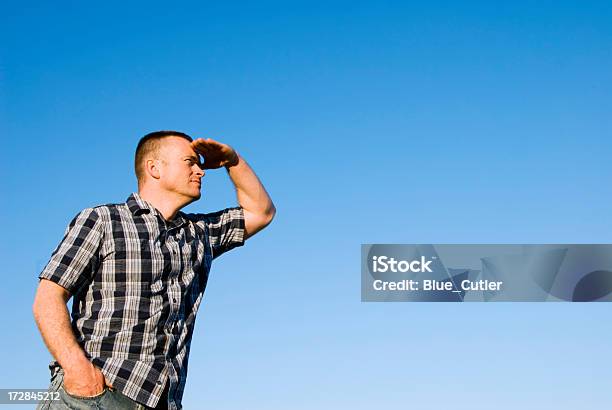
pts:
[137, 272]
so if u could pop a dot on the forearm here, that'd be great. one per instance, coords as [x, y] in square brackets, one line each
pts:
[53, 321]
[251, 194]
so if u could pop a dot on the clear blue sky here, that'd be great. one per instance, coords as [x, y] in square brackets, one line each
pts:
[369, 122]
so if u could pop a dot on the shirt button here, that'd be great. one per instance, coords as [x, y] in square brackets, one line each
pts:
[159, 382]
[174, 300]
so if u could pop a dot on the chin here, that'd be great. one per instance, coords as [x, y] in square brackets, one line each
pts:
[191, 197]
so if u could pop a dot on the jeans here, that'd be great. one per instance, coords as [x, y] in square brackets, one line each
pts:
[108, 399]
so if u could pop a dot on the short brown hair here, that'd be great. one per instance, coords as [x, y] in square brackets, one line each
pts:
[149, 145]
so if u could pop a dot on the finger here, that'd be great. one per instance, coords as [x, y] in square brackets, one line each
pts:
[201, 148]
[199, 143]
[107, 383]
[213, 143]
[208, 145]
[202, 141]
[208, 159]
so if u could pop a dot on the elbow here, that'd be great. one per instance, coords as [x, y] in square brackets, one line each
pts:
[270, 214]
[256, 221]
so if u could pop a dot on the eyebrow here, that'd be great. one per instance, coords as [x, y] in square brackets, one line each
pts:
[195, 159]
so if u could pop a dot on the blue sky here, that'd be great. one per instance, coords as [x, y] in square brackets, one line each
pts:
[368, 122]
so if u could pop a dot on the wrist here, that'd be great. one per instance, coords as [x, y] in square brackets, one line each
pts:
[76, 363]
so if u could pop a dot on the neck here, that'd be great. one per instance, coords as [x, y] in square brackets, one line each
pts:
[166, 203]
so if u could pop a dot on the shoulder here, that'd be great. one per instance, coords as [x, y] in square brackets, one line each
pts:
[109, 212]
[100, 216]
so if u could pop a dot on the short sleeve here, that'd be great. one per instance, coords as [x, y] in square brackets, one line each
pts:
[225, 229]
[76, 258]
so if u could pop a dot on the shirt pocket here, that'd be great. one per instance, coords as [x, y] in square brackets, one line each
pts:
[196, 259]
[201, 256]
[132, 265]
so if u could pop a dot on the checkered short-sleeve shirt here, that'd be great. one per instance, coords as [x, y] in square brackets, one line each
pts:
[137, 282]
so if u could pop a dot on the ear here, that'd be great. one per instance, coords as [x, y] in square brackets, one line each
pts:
[152, 168]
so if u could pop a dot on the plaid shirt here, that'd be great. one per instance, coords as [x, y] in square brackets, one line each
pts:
[137, 282]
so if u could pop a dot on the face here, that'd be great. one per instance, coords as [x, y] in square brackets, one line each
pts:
[180, 169]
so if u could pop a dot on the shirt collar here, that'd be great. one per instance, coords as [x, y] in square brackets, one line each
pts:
[139, 206]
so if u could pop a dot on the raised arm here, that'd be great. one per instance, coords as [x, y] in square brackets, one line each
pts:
[252, 196]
